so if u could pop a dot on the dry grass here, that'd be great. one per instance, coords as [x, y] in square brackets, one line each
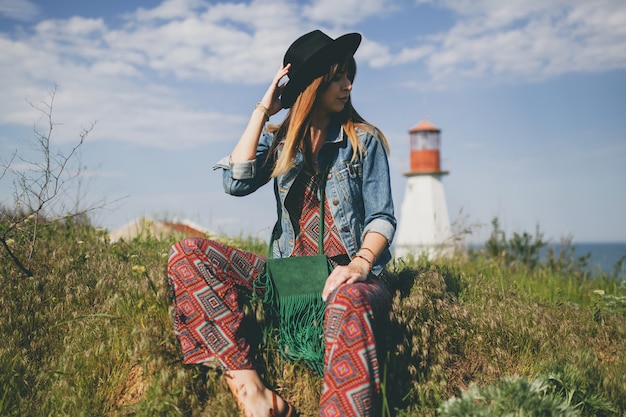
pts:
[90, 334]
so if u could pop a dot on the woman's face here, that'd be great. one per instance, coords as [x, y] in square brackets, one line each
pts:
[334, 98]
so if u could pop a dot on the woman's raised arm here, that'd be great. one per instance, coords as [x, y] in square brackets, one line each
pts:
[245, 150]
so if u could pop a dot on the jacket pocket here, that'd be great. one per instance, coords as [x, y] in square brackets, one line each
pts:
[350, 178]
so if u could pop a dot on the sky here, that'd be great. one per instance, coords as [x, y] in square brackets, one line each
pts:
[530, 97]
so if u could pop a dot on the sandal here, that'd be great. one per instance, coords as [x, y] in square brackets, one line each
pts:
[289, 412]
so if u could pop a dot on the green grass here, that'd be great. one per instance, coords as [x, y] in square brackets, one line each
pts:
[90, 334]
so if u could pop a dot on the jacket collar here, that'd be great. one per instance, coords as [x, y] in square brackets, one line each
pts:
[335, 133]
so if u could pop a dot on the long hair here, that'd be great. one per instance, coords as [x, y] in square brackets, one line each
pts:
[292, 132]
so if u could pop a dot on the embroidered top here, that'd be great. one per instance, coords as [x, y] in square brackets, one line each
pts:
[303, 205]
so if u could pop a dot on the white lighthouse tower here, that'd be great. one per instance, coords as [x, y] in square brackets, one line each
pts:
[424, 225]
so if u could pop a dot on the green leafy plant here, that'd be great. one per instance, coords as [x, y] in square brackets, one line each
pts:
[512, 396]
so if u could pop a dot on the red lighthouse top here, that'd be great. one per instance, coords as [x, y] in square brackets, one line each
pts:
[424, 126]
[425, 142]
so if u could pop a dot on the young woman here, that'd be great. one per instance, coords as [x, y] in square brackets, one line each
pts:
[321, 130]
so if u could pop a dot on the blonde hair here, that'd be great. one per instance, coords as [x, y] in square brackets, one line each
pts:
[292, 132]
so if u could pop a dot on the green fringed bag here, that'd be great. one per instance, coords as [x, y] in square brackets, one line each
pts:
[293, 299]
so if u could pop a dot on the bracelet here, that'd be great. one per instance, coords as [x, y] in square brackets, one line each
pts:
[369, 250]
[358, 255]
[264, 109]
[360, 267]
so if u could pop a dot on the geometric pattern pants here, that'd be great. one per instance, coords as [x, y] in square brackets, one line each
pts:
[209, 282]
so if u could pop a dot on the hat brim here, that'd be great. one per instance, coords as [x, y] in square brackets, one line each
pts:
[317, 65]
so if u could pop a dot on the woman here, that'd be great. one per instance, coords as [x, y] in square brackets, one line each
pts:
[320, 131]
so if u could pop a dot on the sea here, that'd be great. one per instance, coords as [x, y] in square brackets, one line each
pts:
[606, 258]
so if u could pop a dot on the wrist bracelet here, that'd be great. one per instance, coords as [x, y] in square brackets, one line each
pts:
[264, 109]
[369, 250]
[360, 267]
[358, 255]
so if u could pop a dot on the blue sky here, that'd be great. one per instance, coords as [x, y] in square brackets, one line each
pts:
[530, 96]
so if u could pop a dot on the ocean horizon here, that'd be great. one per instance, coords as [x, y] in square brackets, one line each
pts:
[604, 256]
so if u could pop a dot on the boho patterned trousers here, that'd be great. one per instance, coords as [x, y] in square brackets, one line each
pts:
[209, 280]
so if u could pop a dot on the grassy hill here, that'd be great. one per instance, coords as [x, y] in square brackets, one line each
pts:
[490, 332]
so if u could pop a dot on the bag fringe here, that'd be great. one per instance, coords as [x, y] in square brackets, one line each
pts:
[301, 329]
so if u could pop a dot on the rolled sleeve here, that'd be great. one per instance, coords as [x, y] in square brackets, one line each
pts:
[243, 170]
[380, 226]
[223, 163]
[238, 170]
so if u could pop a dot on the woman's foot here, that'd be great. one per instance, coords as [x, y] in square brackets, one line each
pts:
[288, 410]
[254, 399]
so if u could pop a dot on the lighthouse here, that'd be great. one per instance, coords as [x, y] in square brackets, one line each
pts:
[424, 224]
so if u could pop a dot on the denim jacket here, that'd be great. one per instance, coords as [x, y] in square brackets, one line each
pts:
[358, 192]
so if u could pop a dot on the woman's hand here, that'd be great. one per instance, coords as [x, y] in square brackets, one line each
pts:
[271, 99]
[245, 149]
[343, 274]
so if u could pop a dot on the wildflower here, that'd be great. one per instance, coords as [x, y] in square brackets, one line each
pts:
[599, 292]
[10, 242]
[138, 269]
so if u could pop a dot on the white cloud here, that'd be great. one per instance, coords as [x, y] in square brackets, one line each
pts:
[409, 54]
[529, 39]
[18, 9]
[345, 12]
[114, 72]
[127, 107]
[106, 74]
[167, 10]
[374, 53]
[223, 42]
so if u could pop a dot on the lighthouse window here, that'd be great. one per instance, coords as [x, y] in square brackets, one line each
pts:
[424, 140]
[434, 139]
[414, 142]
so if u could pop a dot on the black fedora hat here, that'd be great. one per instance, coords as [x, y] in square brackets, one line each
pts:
[310, 56]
